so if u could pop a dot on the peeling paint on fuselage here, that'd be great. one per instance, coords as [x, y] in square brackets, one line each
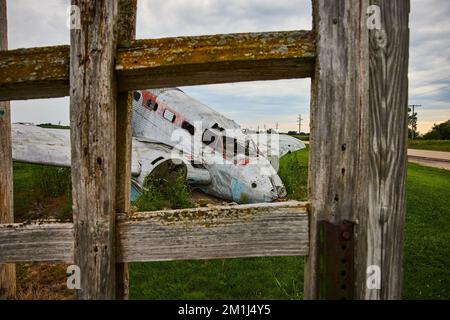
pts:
[258, 181]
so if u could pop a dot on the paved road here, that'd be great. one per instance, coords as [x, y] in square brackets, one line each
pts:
[436, 159]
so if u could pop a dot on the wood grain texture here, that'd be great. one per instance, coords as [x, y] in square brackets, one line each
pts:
[156, 63]
[93, 131]
[366, 164]
[44, 241]
[275, 229]
[339, 94]
[8, 271]
[126, 33]
[388, 143]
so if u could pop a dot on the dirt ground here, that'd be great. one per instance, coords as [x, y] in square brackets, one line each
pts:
[431, 163]
[42, 281]
[45, 281]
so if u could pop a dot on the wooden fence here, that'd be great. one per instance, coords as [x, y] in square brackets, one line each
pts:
[354, 218]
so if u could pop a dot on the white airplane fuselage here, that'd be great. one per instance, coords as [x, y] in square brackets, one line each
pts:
[209, 141]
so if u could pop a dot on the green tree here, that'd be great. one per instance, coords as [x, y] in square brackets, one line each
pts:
[412, 124]
[439, 132]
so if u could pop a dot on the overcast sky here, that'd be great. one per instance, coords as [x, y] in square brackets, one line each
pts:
[42, 23]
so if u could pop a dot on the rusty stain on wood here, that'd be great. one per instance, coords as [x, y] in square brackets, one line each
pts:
[44, 72]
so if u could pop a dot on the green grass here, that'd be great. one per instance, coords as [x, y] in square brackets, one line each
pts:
[427, 253]
[41, 192]
[53, 126]
[294, 173]
[176, 195]
[251, 278]
[435, 145]
[427, 243]
[427, 235]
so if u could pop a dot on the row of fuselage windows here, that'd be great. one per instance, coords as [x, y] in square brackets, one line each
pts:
[229, 147]
[167, 114]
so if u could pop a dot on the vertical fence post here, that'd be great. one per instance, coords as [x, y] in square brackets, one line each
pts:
[126, 32]
[7, 271]
[93, 139]
[358, 149]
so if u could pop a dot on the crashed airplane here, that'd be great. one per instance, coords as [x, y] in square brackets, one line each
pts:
[175, 134]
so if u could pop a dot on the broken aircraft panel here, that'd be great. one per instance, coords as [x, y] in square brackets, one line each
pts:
[238, 169]
[173, 132]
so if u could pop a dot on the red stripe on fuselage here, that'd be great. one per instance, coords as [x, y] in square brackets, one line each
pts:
[147, 95]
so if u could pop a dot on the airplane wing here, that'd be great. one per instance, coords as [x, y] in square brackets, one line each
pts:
[289, 144]
[33, 144]
[150, 159]
[283, 145]
[274, 150]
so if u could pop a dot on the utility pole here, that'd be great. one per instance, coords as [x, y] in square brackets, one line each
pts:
[299, 121]
[414, 125]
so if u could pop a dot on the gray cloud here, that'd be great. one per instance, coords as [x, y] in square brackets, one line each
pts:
[41, 23]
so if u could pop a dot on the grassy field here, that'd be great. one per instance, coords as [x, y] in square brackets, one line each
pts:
[427, 252]
[436, 145]
[249, 278]
[427, 236]
[427, 240]
[41, 192]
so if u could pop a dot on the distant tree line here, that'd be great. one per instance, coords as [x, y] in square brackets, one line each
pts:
[52, 126]
[439, 132]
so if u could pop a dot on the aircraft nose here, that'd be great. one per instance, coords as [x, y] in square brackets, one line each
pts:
[278, 186]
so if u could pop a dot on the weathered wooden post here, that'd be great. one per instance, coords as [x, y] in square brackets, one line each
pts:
[358, 149]
[126, 33]
[93, 138]
[7, 271]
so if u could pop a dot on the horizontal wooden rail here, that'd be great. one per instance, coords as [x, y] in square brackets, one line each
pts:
[168, 62]
[35, 242]
[272, 229]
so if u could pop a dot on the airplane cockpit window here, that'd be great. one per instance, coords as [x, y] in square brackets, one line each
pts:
[213, 140]
[136, 95]
[152, 105]
[234, 147]
[229, 147]
[217, 127]
[251, 149]
[188, 127]
[168, 115]
[209, 137]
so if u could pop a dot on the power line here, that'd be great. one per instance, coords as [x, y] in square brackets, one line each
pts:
[299, 121]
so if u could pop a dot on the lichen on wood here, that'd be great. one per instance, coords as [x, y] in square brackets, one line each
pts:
[44, 72]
